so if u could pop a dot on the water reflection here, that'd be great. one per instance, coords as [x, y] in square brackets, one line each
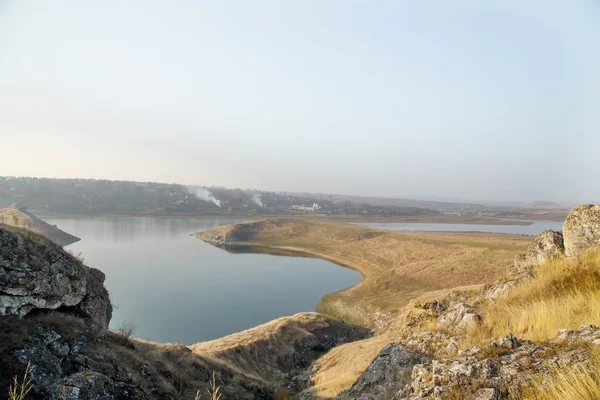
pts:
[176, 288]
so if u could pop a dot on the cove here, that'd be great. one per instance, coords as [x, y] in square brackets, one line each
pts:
[175, 288]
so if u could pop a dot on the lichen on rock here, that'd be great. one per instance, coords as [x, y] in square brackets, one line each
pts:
[35, 274]
[582, 229]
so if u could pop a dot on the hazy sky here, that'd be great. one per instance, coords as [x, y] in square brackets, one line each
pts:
[467, 99]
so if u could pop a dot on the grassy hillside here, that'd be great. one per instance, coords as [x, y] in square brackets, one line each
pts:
[397, 266]
[564, 295]
[19, 217]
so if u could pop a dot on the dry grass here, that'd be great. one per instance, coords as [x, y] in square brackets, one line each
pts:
[341, 366]
[19, 390]
[193, 370]
[22, 219]
[564, 294]
[578, 382]
[260, 350]
[213, 390]
[397, 266]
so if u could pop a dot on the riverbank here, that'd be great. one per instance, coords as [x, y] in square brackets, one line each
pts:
[441, 219]
[397, 267]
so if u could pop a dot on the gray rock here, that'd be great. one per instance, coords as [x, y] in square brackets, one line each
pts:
[388, 372]
[36, 274]
[96, 306]
[487, 394]
[30, 279]
[458, 315]
[582, 229]
[547, 246]
[507, 342]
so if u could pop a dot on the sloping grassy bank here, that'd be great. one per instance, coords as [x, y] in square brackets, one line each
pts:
[564, 295]
[396, 266]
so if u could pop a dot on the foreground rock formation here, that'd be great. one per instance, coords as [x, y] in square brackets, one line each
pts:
[37, 275]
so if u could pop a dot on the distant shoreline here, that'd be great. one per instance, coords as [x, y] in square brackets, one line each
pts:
[442, 219]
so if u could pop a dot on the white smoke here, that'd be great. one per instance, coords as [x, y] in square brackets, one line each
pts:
[255, 197]
[203, 194]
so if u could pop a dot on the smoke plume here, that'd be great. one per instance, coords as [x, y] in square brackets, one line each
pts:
[255, 197]
[203, 194]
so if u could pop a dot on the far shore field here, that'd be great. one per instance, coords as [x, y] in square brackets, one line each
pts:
[396, 265]
[442, 219]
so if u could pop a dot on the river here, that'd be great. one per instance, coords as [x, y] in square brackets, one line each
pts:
[176, 288]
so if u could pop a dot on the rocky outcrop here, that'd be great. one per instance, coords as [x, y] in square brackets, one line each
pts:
[388, 372]
[488, 373]
[501, 369]
[38, 275]
[546, 247]
[582, 229]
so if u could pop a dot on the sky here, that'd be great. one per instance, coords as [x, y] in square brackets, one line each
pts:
[462, 99]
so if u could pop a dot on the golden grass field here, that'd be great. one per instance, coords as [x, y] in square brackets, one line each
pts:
[396, 266]
[565, 294]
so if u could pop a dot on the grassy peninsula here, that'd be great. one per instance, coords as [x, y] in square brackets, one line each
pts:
[397, 267]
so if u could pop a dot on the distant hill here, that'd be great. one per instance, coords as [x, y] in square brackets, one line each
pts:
[17, 215]
[544, 204]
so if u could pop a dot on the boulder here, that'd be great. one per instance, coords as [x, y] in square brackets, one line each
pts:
[487, 394]
[581, 229]
[95, 306]
[547, 246]
[459, 316]
[36, 274]
[388, 372]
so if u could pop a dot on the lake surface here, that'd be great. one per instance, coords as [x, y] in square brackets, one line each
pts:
[176, 288]
[534, 229]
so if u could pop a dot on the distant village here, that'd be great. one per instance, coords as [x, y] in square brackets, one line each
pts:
[90, 196]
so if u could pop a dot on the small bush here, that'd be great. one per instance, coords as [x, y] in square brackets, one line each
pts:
[127, 329]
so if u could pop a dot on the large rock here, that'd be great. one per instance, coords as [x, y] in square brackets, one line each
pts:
[388, 373]
[36, 274]
[547, 246]
[457, 317]
[582, 229]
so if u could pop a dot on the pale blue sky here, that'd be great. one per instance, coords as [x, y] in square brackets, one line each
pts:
[467, 99]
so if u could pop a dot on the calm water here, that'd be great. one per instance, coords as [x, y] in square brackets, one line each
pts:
[534, 229]
[176, 288]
